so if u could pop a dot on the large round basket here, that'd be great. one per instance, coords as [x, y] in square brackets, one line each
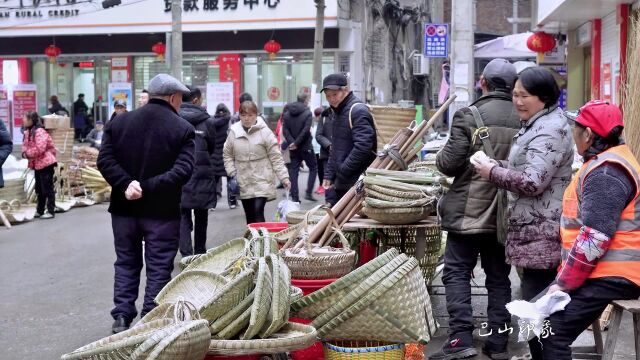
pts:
[398, 216]
[290, 337]
[362, 350]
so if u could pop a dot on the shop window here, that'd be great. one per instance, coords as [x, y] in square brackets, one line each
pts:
[39, 76]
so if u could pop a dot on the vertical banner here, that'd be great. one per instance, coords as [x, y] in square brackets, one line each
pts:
[606, 82]
[120, 91]
[220, 92]
[24, 100]
[230, 71]
[4, 105]
[120, 69]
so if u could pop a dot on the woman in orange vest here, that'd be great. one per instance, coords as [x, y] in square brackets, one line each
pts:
[599, 228]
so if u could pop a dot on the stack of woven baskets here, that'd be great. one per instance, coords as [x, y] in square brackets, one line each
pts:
[383, 300]
[400, 197]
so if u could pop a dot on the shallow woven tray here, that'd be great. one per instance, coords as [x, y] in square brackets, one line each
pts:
[183, 340]
[195, 286]
[217, 260]
[226, 319]
[314, 304]
[398, 216]
[280, 299]
[261, 302]
[118, 346]
[297, 216]
[289, 338]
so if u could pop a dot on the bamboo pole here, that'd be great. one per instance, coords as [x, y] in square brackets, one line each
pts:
[351, 202]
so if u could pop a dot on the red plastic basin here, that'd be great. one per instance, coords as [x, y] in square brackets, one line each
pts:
[272, 227]
[309, 286]
[313, 352]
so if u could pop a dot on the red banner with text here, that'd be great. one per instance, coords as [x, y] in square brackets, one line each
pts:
[230, 71]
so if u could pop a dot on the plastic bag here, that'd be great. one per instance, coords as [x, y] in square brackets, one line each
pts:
[284, 207]
[232, 187]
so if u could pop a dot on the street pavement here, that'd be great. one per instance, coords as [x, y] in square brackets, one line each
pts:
[56, 286]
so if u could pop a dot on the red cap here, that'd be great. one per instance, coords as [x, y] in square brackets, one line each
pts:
[600, 116]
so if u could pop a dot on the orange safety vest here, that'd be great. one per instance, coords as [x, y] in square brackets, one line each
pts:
[623, 256]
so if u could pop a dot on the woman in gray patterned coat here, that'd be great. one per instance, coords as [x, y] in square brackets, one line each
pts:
[536, 174]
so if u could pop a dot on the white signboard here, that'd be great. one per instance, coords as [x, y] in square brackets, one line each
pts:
[72, 17]
[219, 92]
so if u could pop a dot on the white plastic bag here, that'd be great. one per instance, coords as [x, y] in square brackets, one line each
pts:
[284, 207]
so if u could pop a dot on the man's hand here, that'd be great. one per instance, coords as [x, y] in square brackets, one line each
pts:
[134, 191]
[293, 147]
[287, 184]
[327, 184]
[553, 288]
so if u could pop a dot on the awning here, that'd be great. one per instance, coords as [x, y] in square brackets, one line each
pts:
[507, 47]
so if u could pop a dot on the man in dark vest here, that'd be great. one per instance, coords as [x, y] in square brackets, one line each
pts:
[147, 156]
[468, 213]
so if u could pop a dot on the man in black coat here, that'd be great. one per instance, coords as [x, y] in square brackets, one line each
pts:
[147, 156]
[199, 194]
[6, 146]
[297, 131]
[354, 142]
[324, 136]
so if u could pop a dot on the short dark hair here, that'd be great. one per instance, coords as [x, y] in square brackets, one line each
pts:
[248, 107]
[245, 97]
[539, 82]
[144, 91]
[194, 93]
[302, 97]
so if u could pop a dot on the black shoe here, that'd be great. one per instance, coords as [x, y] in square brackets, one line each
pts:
[310, 197]
[455, 348]
[295, 200]
[121, 324]
[495, 354]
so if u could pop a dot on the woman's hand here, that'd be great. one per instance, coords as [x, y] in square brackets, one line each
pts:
[287, 184]
[553, 288]
[483, 164]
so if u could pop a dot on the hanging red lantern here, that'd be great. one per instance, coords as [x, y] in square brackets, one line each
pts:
[159, 49]
[541, 42]
[52, 53]
[272, 47]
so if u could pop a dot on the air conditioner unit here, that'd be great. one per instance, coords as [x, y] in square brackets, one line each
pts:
[420, 64]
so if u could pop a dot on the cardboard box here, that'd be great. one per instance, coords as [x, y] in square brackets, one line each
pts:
[56, 122]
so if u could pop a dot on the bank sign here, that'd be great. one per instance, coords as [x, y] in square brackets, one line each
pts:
[73, 17]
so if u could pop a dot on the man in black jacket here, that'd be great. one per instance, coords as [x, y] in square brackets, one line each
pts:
[354, 136]
[199, 194]
[147, 156]
[297, 131]
[324, 134]
[468, 213]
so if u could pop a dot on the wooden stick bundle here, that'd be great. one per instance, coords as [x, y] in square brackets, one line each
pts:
[405, 141]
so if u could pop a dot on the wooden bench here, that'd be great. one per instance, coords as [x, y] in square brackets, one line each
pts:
[606, 352]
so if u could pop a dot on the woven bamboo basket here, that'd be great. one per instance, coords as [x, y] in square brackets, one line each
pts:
[118, 346]
[196, 286]
[423, 243]
[398, 216]
[231, 316]
[218, 259]
[16, 212]
[228, 297]
[280, 300]
[181, 310]
[389, 120]
[261, 302]
[297, 216]
[289, 338]
[13, 189]
[319, 301]
[184, 340]
[296, 294]
[362, 350]
[398, 310]
[426, 201]
[394, 193]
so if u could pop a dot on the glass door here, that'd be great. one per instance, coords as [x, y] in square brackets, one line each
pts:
[272, 84]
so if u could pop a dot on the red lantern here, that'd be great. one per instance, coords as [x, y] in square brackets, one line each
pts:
[272, 47]
[52, 52]
[541, 42]
[159, 49]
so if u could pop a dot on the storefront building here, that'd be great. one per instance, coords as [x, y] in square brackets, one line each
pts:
[223, 42]
[596, 33]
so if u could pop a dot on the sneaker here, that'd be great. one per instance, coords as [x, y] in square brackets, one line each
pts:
[501, 354]
[120, 324]
[455, 349]
[47, 215]
[320, 190]
[37, 215]
[232, 206]
[310, 197]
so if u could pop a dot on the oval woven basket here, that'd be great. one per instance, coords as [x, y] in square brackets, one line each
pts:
[362, 350]
[398, 216]
[297, 216]
[290, 337]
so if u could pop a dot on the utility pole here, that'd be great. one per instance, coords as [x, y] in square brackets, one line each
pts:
[461, 77]
[176, 39]
[318, 44]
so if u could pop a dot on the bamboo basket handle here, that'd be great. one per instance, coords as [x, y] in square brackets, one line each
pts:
[305, 236]
[336, 229]
[4, 205]
[184, 310]
[15, 204]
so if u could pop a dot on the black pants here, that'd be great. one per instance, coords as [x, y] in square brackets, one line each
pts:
[534, 281]
[587, 303]
[297, 156]
[321, 163]
[45, 190]
[199, 228]
[231, 200]
[160, 237]
[254, 209]
[460, 257]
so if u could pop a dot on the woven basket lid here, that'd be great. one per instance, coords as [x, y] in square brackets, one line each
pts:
[289, 338]
[397, 310]
[319, 301]
[226, 319]
[280, 300]
[217, 260]
[261, 302]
